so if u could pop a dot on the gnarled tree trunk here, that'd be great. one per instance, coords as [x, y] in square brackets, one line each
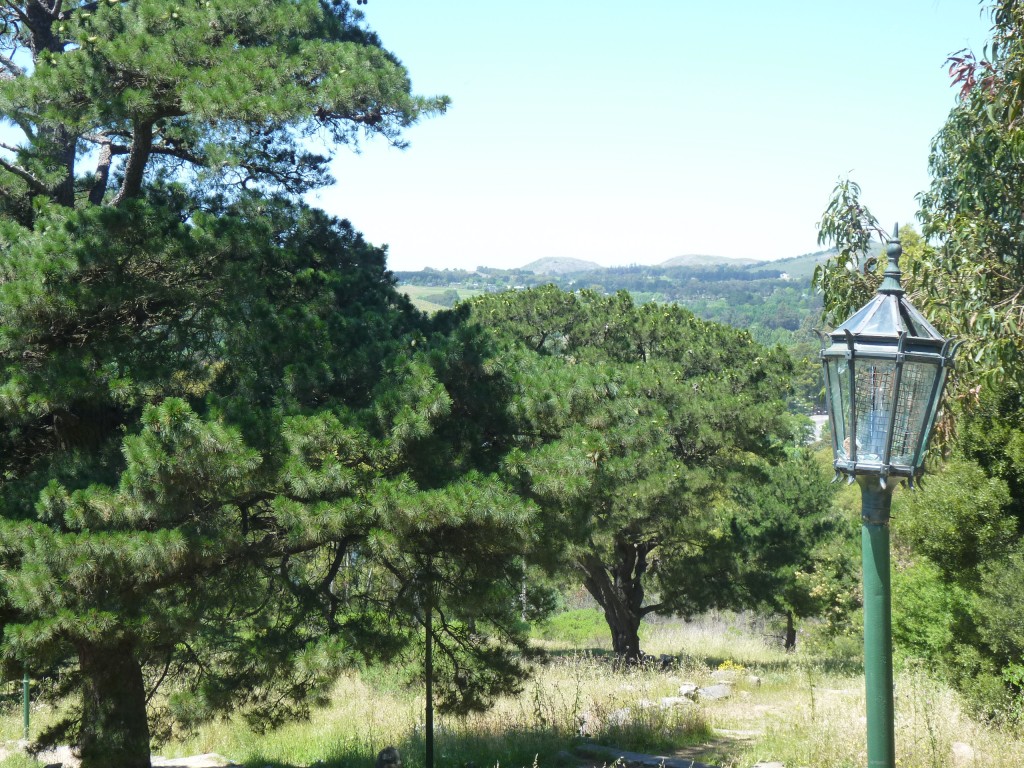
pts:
[618, 588]
[115, 728]
[790, 631]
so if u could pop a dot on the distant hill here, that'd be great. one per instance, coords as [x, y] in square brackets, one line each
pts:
[800, 267]
[701, 260]
[560, 266]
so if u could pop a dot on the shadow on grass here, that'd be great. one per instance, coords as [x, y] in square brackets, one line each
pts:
[513, 749]
[822, 663]
[543, 748]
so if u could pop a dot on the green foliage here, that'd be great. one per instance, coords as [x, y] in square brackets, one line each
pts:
[223, 93]
[233, 459]
[218, 420]
[787, 530]
[850, 278]
[214, 422]
[579, 628]
[959, 521]
[973, 280]
[633, 422]
[926, 609]
[954, 589]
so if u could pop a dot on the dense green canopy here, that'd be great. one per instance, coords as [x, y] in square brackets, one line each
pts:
[233, 458]
[636, 427]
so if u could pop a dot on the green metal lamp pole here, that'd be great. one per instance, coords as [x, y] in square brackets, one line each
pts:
[875, 504]
[885, 369]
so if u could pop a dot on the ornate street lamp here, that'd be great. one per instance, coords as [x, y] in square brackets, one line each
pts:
[885, 370]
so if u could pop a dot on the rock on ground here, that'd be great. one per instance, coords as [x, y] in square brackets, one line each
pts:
[611, 755]
[209, 760]
[715, 692]
[688, 689]
[962, 752]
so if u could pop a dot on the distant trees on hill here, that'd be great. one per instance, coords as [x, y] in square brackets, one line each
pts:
[737, 296]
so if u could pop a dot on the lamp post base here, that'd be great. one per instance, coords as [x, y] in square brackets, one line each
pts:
[875, 505]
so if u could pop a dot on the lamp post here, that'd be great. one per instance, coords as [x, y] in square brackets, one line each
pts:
[885, 370]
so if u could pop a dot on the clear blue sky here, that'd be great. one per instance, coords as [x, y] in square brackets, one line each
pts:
[632, 132]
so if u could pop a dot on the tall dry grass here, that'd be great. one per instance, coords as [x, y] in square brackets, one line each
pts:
[804, 709]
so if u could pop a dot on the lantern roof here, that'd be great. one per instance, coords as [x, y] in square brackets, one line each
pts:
[889, 315]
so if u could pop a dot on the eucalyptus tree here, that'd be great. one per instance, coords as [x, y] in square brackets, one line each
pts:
[966, 276]
[636, 427]
[233, 458]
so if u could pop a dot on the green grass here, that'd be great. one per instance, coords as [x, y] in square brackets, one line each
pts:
[803, 709]
[579, 628]
[536, 725]
[19, 760]
[425, 297]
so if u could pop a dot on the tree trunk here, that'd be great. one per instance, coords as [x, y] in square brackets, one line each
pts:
[790, 632]
[115, 727]
[618, 588]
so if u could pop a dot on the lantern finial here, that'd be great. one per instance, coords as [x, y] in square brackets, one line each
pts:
[891, 283]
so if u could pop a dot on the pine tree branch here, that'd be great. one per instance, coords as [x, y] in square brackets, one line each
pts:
[138, 157]
[99, 188]
[58, 13]
[107, 151]
[13, 69]
[181, 154]
[163, 675]
[34, 184]
[16, 7]
[651, 608]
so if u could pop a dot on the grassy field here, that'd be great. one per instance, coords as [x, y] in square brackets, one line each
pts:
[432, 299]
[801, 709]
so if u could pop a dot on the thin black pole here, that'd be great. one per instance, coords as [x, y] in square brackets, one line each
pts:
[25, 711]
[428, 664]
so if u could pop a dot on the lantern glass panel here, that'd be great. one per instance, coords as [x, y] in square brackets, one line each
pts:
[912, 410]
[839, 393]
[875, 381]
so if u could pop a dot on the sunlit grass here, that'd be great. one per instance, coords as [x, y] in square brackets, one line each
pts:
[802, 709]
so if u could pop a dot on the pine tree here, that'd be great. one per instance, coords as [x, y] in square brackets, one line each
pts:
[233, 458]
[636, 424]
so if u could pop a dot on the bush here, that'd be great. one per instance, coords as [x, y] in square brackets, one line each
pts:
[578, 628]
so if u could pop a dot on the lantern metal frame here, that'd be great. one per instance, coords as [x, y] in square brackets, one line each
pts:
[887, 331]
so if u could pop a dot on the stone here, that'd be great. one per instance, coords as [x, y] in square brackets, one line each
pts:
[715, 692]
[208, 760]
[772, 764]
[616, 756]
[689, 690]
[963, 752]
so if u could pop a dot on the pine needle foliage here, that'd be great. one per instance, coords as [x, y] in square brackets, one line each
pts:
[636, 424]
[234, 460]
